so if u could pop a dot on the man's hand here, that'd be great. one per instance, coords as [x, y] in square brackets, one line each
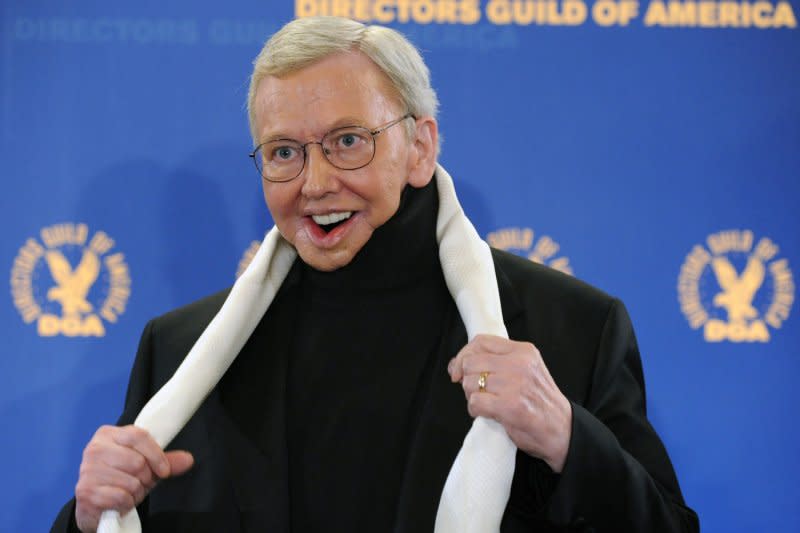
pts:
[120, 466]
[519, 393]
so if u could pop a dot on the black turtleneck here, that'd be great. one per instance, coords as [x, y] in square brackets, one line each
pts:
[366, 336]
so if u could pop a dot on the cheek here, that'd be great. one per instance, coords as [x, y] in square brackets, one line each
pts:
[278, 196]
[281, 200]
[392, 188]
[271, 203]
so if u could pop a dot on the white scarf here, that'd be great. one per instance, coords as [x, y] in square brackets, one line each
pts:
[476, 492]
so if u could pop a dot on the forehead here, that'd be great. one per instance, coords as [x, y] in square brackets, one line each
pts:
[341, 87]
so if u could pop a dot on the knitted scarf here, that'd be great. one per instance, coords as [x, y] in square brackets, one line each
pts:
[476, 491]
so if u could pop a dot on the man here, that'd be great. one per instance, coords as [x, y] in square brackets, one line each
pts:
[341, 410]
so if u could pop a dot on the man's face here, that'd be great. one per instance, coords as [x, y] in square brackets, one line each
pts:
[343, 89]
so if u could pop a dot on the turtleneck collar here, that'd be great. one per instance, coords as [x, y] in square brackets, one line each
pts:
[398, 253]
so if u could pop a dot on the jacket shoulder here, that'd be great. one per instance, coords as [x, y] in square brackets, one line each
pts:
[177, 330]
[541, 285]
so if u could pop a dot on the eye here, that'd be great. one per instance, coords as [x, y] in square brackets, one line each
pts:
[349, 139]
[283, 153]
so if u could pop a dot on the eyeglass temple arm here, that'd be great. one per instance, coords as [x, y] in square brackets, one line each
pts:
[392, 123]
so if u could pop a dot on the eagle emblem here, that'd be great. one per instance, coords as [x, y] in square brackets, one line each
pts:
[738, 291]
[73, 285]
[70, 286]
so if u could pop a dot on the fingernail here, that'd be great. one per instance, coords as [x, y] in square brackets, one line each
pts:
[450, 366]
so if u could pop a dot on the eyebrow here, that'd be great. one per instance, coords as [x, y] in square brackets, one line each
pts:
[339, 123]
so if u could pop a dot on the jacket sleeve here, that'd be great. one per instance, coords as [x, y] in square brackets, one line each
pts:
[138, 393]
[617, 476]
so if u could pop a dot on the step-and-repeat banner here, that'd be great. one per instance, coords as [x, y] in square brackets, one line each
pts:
[649, 147]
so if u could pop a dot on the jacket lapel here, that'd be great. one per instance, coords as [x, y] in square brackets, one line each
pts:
[444, 421]
[251, 423]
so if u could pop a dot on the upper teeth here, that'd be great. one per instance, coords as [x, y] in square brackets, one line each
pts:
[331, 218]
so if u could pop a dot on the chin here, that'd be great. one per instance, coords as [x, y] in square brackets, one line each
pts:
[325, 262]
[337, 256]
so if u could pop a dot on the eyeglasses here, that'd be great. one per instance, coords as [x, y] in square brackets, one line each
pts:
[347, 148]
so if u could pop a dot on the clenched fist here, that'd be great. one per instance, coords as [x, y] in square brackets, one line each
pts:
[518, 392]
[119, 468]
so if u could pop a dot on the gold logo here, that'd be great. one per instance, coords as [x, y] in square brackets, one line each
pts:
[734, 289]
[64, 299]
[521, 242]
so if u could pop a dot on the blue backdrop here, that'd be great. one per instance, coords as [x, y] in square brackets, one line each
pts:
[649, 148]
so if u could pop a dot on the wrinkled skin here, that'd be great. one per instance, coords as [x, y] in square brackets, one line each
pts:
[519, 393]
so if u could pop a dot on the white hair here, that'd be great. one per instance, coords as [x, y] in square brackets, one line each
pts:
[307, 40]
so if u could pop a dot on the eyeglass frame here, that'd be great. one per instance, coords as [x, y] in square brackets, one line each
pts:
[373, 132]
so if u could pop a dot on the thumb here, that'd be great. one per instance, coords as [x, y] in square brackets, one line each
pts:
[179, 462]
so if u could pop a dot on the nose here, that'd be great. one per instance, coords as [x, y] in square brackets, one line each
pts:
[319, 176]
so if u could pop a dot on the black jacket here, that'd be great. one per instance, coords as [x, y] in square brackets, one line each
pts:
[617, 476]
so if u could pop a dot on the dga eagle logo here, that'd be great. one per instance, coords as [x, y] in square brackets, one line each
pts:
[734, 289]
[69, 287]
[521, 242]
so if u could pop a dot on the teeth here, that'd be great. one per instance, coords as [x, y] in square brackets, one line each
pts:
[331, 218]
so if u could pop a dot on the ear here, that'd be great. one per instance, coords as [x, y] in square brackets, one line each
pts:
[422, 155]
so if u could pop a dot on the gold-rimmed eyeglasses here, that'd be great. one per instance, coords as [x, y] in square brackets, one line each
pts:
[346, 148]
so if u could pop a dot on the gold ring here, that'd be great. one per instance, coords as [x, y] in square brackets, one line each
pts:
[482, 381]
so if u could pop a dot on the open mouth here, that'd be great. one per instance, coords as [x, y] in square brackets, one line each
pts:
[332, 220]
